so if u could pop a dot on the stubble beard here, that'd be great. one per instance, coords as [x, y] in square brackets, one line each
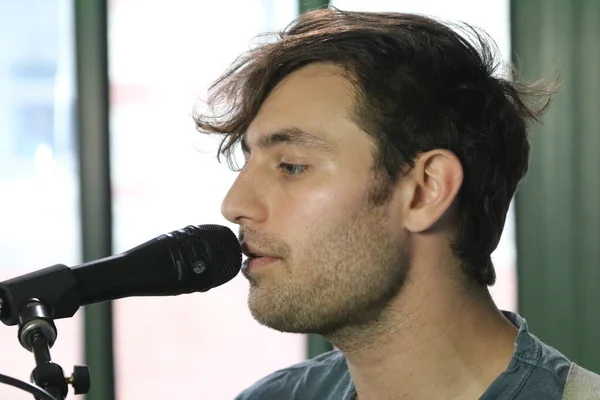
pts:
[340, 281]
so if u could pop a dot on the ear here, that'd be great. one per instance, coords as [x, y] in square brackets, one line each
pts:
[430, 188]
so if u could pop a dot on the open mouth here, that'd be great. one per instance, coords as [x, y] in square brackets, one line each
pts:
[252, 256]
[256, 261]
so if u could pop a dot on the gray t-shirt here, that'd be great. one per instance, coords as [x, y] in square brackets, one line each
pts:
[535, 372]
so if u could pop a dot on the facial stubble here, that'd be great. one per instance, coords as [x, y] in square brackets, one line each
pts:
[342, 277]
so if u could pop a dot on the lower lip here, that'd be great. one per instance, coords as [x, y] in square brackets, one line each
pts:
[252, 264]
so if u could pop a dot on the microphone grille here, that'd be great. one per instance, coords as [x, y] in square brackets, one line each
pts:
[219, 249]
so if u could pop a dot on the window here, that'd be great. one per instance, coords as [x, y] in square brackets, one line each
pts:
[163, 56]
[39, 202]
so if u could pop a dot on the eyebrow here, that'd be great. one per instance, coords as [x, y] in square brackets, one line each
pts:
[292, 136]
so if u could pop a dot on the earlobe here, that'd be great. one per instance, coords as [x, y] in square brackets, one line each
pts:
[433, 186]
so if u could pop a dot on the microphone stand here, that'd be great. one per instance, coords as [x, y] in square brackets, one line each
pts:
[37, 333]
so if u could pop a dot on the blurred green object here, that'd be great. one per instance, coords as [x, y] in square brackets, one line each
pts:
[306, 5]
[94, 175]
[317, 345]
[558, 204]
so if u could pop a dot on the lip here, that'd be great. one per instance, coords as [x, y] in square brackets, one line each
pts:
[251, 252]
[252, 264]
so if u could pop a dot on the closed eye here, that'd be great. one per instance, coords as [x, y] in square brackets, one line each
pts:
[292, 169]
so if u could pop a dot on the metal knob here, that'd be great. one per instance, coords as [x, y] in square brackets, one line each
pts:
[80, 379]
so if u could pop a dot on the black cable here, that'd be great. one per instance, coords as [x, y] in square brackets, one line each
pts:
[41, 394]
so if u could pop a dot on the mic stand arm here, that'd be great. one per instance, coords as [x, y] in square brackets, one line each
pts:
[37, 333]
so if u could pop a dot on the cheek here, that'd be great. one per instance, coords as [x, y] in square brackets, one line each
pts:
[307, 211]
[304, 209]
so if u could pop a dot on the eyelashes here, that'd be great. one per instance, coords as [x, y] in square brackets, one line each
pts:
[292, 169]
[287, 169]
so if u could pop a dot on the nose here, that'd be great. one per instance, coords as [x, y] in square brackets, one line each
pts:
[245, 201]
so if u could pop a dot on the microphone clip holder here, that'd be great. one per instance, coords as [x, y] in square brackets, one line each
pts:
[37, 334]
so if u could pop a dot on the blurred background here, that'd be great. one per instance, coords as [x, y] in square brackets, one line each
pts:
[98, 153]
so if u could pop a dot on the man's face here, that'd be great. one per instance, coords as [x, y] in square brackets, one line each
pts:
[331, 257]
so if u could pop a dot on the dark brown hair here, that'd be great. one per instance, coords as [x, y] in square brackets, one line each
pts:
[420, 85]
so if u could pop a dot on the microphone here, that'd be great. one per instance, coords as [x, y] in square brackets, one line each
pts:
[192, 259]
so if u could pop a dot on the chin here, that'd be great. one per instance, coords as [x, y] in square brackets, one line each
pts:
[292, 321]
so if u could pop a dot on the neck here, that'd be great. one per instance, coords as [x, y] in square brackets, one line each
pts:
[437, 339]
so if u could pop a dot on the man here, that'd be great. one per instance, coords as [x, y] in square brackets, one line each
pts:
[381, 153]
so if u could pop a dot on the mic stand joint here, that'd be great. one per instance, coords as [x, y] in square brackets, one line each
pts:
[37, 333]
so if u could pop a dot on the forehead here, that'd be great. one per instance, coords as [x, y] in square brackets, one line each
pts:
[317, 99]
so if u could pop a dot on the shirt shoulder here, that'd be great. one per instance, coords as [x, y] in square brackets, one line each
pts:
[321, 377]
[536, 371]
[547, 374]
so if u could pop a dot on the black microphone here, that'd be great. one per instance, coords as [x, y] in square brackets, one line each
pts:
[192, 259]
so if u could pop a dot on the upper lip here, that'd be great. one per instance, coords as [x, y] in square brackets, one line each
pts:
[251, 251]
